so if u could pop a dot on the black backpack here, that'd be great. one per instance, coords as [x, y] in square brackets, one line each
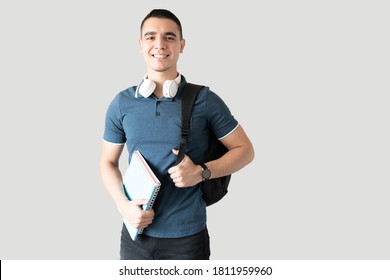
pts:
[214, 189]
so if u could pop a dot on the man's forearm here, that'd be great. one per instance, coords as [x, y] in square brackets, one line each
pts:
[231, 162]
[112, 181]
[240, 154]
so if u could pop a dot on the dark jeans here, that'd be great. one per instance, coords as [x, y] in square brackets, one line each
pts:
[194, 247]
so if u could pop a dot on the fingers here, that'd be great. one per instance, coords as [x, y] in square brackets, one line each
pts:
[177, 172]
[140, 202]
[175, 168]
[142, 219]
[175, 175]
[136, 216]
[178, 182]
[146, 219]
[172, 170]
[185, 174]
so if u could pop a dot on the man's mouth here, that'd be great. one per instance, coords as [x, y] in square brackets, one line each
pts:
[159, 55]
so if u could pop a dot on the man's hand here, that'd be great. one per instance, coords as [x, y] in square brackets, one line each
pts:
[186, 173]
[133, 213]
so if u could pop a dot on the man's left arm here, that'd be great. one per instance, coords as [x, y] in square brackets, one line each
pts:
[240, 154]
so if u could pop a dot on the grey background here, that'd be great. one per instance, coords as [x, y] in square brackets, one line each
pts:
[308, 80]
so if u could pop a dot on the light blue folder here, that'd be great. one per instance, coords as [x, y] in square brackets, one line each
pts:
[139, 182]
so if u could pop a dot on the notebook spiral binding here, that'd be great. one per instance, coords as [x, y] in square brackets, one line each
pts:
[153, 198]
[150, 205]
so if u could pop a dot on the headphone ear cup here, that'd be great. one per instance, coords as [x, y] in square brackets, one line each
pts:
[170, 88]
[146, 88]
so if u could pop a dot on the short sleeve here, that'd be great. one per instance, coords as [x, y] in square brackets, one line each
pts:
[221, 121]
[113, 130]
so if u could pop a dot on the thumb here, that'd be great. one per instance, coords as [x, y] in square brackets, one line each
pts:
[179, 159]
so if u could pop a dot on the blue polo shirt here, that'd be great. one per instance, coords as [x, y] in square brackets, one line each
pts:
[153, 126]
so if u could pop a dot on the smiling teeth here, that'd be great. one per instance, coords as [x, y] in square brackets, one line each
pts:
[159, 55]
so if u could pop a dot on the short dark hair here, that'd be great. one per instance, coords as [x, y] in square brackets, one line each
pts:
[161, 13]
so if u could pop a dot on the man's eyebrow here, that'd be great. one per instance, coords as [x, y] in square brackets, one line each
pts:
[170, 34]
[150, 33]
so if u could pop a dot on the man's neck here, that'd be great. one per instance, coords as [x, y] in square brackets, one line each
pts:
[159, 78]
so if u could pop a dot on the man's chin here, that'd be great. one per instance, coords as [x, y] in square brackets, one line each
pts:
[160, 69]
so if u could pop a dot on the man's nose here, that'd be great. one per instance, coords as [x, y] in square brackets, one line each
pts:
[159, 43]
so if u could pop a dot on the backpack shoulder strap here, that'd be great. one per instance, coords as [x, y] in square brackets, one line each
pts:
[188, 96]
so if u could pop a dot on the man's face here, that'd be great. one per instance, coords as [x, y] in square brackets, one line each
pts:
[161, 44]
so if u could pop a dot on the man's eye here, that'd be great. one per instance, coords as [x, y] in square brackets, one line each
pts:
[149, 38]
[170, 38]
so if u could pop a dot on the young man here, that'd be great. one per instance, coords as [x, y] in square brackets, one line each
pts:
[147, 118]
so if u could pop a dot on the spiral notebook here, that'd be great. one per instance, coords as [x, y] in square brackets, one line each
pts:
[139, 182]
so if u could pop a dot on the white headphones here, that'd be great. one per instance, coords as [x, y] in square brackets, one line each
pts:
[147, 87]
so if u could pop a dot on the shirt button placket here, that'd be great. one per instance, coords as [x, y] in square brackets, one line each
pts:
[157, 105]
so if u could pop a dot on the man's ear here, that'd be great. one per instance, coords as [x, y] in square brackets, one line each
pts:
[140, 45]
[183, 44]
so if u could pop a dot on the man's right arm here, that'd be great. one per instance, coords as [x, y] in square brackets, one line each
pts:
[113, 184]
